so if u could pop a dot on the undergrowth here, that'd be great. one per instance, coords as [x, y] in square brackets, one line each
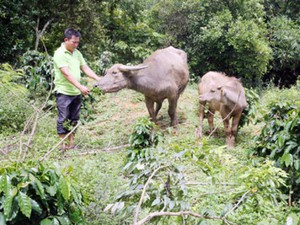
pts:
[216, 178]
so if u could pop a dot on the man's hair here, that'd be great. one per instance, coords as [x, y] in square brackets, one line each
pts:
[71, 32]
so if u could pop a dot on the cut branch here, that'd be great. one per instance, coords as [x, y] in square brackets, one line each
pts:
[237, 204]
[33, 118]
[182, 213]
[137, 210]
[61, 141]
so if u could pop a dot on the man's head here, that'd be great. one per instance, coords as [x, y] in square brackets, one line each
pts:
[71, 39]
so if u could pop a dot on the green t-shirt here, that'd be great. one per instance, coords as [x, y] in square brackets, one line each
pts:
[63, 58]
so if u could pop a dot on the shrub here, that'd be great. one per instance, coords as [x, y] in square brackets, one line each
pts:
[35, 194]
[249, 114]
[14, 107]
[144, 134]
[280, 140]
[38, 69]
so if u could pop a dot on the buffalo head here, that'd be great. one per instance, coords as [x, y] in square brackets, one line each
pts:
[117, 77]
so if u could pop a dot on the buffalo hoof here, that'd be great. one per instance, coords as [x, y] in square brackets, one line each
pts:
[230, 142]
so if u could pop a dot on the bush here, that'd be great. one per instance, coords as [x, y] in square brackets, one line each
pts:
[38, 72]
[250, 113]
[14, 106]
[284, 40]
[35, 194]
[280, 140]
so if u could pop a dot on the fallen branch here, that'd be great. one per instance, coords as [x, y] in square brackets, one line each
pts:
[137, 210]
[59, 143]
[237, 204]
[209, 184]
[33, 118]
[182, 213]
[108, 149]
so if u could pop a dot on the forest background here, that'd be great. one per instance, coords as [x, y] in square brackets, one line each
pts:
[253, 39]
[125, 165]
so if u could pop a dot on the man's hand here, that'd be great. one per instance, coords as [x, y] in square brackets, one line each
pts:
[84, 90]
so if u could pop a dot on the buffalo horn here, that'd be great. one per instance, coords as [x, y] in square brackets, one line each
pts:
[124, 68]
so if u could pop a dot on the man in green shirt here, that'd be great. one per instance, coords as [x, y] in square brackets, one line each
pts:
[68, 64]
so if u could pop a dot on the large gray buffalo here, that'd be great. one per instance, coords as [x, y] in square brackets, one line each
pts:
[163, 75]
[226, 95]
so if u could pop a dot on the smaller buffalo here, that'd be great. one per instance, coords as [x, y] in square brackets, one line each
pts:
[163, 75]
[226, 95]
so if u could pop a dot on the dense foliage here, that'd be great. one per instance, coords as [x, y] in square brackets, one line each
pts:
[253, 39]
[13, 114]
[279, 140]
[159, 184]
[35, 194]
[161, 177]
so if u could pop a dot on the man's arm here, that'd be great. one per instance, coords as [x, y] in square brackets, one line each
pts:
[89, 72]
[83, 89]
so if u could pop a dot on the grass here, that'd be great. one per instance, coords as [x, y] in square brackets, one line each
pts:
[98, 163]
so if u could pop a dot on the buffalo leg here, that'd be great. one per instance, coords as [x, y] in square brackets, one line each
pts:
[201, 116]
[158, 107]
[210, 118]
[227, 132]
[227, 129]
[234, 129]
[172, 111]
[150, 107]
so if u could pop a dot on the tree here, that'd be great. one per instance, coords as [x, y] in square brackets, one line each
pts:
[26, 22]
[284, 39]
[220, 35]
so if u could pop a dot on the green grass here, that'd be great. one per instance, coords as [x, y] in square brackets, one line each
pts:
[98, 164]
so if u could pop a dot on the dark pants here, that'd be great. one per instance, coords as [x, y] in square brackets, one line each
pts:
[68, 112]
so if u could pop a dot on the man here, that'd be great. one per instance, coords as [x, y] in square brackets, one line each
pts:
[68, 64]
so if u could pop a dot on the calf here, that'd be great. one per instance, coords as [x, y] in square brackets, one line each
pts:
[226, 95]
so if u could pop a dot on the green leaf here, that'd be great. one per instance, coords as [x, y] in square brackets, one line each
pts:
[25, 204]
[1, 183]
[280, 141]
[52, 190]
[37, 185]
[60, 204]
[292, 219]
[7, 204]
[47, 222]
[287, 159]
[56, 221]
[155, 202]
[64, 220]
[2, 219]
[6, 185]
[296, 164]
[64, 187]
[117, 207]
[171, 205]
[36, 207]
[77, 197]
[76, 217]
[108, 207]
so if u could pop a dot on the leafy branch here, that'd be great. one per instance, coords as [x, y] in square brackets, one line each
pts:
[181, 213]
